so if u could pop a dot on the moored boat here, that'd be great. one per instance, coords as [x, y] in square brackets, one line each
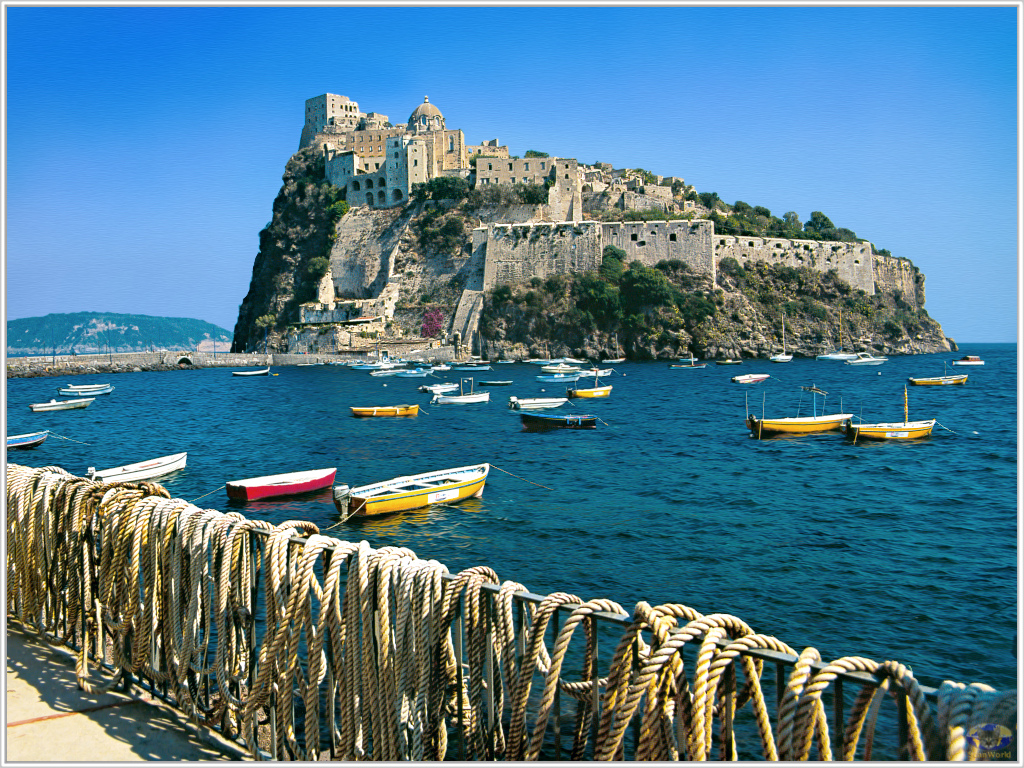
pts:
[29, 440]
[86, 390]
[517, 403]
[892, 430]
[782, 357]
[412, 492]
[604, 391]
[559, 378]
[280, 485]
[969, 360]
[559, 368]
[939, 381]
[798, 425]
[62, 405]
[750, 378]
[385, 410]
[142, 470]
[258, 372]
[436, 389]
[463, 397]
[544, 421]
[863, 358]
[729, 361]
[501, 383]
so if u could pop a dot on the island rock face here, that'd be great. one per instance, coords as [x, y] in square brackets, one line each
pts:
[378, 228]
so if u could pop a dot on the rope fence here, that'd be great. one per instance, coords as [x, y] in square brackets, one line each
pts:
[303, 646]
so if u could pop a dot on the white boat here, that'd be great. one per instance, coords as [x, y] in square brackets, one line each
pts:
[441, 367]
[86, 390]
[142, 470]
[385, 372]
[530, 403]
[559, 368]
[559, 378]
[750, 378]
[838, 354]
[863, 358]
[615, 360]
[260, 372]
[969, 360]
[597, 372]
[415, 373]
[782, 357]
[473, 367]
[62, 405]
[437, 389]
[463, 397]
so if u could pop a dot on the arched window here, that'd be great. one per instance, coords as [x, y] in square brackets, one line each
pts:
[451, 143]
[381, 199]
[396, 195]
[369, 198]
[355, 186]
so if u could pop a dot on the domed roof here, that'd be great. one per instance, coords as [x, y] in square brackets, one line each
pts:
[426, 109]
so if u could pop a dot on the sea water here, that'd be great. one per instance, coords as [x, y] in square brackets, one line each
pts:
[904, 551]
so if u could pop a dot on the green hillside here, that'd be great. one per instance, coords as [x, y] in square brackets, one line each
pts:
[88, 332]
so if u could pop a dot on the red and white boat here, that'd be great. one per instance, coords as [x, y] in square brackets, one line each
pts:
[750, 378]
[969, 360]
[280, 485]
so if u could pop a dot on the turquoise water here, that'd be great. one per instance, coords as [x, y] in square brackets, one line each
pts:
[885, 550]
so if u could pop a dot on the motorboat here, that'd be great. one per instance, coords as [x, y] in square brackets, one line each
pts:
[863, 358]
[280, 485]
[750, 378]
[969, 360]
[86, 390]
[436, 389]
[463, 397]
[535, 422]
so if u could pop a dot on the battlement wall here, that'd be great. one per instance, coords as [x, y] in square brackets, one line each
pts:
[650, 242]
[517, 252]
[896, 274]
[852, 261]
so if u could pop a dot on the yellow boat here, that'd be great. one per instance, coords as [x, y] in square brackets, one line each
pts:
[938, 381]
[387, 410]
[604, 391]
[412, 492]
[893, 430]
[799, 425]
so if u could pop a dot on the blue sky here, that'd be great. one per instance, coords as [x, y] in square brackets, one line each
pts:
[145, 145]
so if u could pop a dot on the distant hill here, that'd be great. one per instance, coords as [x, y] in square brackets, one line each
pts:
[91, 332]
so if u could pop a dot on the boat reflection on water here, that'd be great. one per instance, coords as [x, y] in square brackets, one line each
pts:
[393, 523]
[281, 508]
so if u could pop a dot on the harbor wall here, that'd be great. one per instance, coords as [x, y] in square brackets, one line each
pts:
[416, 663]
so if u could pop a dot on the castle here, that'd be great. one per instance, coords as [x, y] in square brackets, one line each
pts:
[378, 165]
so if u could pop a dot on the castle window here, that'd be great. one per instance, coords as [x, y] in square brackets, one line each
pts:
[542, 166]
[490, 167]
[510, 166]
[633, 237]
[526, 166]
[642, 243]
[451, 144]
[672, 237]
[415, 163]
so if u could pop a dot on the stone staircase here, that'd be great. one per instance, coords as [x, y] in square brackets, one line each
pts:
[466, 319]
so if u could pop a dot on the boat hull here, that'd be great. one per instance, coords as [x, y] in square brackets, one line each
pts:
[590, 392]
[750, 378]
[143, 470]
[517, 403]
[261, 372]
[796, 425]
[386, 410]
[413, 492]
[62, 405]
[537, 422]
[900, 430]
[24, 442]
[698, 365]
[280, 485]
[83, 391]
[939, 381]
[476, 397]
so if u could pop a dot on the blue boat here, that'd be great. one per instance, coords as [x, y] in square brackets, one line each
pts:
[30, 440]
[544, 421]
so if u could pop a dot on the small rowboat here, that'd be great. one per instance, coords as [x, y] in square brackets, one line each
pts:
[86, 390]
[413, 373]
[463, 397]
[387, 410]
[472, 368]
[412, 492]
[728, 361]
[62, 405]
[503, 383]
[939, 381]
[750, 378]
[895, 430]
[698, 365]
[969, 360]
[799, 425]
[280, 485]
[615, 360]
[556, 378]
[517, 403]
[259, 372]
[436, 389]
[143, 470]
[23, 442]
[535, 422]
[559, 368]
[604, 391]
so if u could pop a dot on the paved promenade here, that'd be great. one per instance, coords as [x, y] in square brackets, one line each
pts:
[50, 720]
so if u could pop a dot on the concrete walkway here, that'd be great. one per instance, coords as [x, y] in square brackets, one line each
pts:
[50, 720]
